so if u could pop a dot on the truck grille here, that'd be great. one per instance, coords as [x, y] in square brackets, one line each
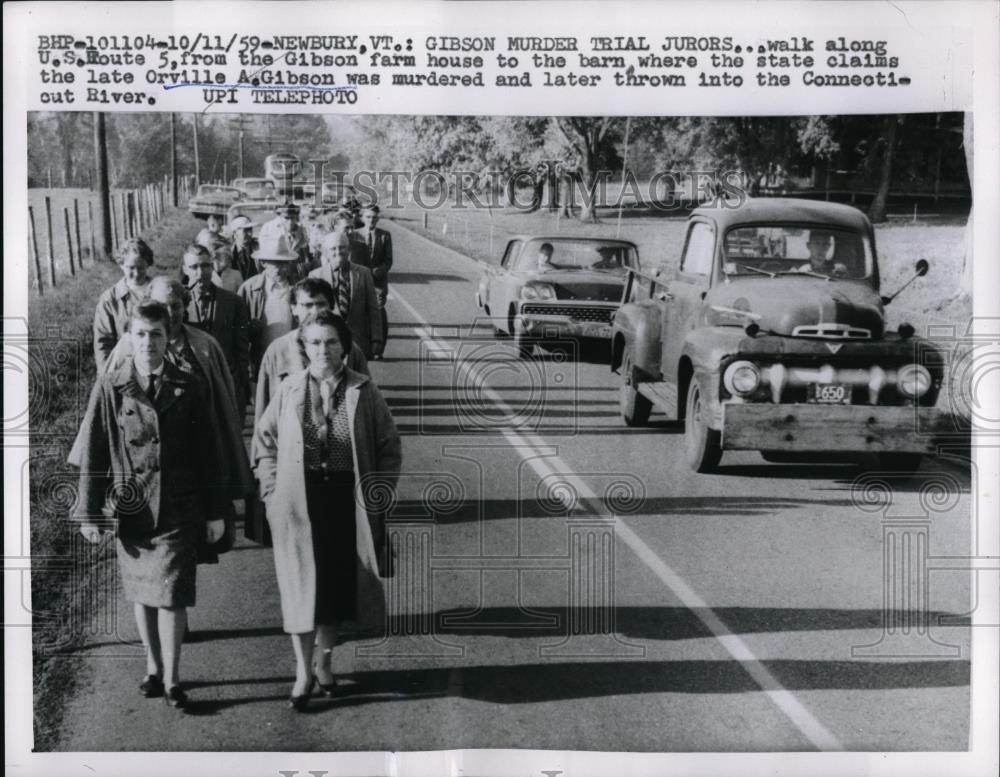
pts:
[575, 312]
[833, 332]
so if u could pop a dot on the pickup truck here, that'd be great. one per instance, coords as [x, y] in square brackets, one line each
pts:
[770, 336]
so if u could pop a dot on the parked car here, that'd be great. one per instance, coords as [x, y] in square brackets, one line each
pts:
[213, 199]
[259, 212]
[257, 188]
[572, 293]
[771, 337]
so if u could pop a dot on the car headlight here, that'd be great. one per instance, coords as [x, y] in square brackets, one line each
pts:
[741, 378]
[540, 291]
[913, 380]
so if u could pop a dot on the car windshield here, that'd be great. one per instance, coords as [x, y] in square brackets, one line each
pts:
[562, 254]
[774, 249]
[208, 188]
[259, 188]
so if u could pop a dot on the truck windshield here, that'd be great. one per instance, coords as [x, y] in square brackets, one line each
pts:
[797, 250]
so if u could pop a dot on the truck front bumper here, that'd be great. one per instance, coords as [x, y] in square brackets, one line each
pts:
[805, 427]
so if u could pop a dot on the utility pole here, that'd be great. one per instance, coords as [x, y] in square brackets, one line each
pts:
[197, 161]
[173, 158]
[103, 187]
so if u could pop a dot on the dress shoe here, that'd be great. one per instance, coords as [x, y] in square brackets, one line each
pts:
[175, 697]
[298, 703]
[328, 689]
[151, 687]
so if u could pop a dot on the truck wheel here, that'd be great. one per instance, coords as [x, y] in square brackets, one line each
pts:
[635, 408]
[702, 444]
[900, 462]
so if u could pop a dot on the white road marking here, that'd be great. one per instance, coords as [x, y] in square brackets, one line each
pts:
[533, 449]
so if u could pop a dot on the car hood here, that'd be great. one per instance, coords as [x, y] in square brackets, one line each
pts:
[808, 307]
[592, 285]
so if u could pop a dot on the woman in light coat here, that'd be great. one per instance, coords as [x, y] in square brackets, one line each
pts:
[327, 453]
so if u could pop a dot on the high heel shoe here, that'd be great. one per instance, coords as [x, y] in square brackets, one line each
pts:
[328, 689]
[298, 703]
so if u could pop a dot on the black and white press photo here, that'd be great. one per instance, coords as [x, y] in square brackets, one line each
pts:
[638, 434]
[501, 388]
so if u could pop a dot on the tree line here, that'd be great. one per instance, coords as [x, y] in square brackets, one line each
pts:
[915, 153]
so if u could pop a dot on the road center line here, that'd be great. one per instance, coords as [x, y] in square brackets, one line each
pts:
[532, 449]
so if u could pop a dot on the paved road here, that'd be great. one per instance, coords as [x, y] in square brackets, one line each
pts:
[566, 583]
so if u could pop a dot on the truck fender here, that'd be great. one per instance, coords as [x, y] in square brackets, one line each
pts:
[637, 327]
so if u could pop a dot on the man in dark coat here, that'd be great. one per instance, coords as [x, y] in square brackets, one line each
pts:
[222, 314]
[379, 245]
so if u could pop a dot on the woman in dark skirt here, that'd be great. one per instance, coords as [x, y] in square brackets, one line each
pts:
[324, 448]
[145, 455]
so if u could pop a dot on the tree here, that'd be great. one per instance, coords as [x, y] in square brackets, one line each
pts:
[886, 151]
[594, 142]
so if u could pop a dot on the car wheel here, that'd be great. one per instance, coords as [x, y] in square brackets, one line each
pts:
[900, 462]
[702, 444]
[635, 408]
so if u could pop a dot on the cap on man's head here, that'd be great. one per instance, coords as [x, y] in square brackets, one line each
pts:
[240, 222]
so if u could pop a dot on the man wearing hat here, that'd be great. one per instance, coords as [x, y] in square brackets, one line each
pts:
[379, 248]
[354, 292]
[268, 295]
[287, 224]
[244, 245]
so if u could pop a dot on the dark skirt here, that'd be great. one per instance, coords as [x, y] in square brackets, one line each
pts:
[158, 567]
[330, 501]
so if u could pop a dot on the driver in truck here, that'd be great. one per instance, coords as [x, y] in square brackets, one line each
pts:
[819, 243]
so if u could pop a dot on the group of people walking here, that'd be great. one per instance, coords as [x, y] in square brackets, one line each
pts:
[161, 452]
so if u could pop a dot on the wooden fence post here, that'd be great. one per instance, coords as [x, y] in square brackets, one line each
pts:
[129, 214]
[34, 249]
[76, 226]
[114, 224]
[48, 229]
[93, 236]
[69, 242]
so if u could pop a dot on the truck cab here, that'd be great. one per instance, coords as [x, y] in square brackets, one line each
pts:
[770, 336]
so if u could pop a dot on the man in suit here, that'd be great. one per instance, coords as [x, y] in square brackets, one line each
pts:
[379, 245]
[222, 314]
[353, 292]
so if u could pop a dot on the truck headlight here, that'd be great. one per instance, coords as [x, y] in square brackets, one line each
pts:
[741, 378]
[542, 291]
[913, 380]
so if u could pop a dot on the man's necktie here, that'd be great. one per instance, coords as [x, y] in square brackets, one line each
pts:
[371, 242]
[205, 305]
[343, 293]
[151, 388]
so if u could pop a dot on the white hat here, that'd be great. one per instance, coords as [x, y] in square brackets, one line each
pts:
[275, 248]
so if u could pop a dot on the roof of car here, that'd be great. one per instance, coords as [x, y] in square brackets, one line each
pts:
[576, 238]
[785, 209]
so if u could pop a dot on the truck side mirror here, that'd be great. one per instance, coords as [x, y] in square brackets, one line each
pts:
[920, 270]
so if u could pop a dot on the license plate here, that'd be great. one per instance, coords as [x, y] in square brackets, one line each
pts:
[830, 393]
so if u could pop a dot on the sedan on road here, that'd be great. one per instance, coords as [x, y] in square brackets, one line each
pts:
[213, 199]
[550, 288]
